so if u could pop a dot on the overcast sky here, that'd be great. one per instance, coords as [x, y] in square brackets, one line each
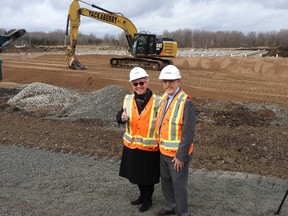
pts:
[154, 16]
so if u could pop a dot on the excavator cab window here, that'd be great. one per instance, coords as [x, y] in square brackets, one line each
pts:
[144, 44]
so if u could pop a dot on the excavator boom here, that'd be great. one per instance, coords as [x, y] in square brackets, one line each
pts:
[113, 19]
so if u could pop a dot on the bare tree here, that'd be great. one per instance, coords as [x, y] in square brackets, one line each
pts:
[184, 37]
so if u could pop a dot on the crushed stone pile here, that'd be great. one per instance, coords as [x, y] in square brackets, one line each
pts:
[102, 105]
[65, 104]
[47, 98]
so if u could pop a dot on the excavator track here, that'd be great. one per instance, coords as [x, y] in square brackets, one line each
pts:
[146, 63]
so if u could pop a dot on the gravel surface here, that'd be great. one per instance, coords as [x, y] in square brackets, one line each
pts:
[38, 182]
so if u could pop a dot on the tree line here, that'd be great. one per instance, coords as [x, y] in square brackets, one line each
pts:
[186, 38]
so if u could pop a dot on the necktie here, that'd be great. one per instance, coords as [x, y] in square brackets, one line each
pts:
[164, 111]
[167, 103]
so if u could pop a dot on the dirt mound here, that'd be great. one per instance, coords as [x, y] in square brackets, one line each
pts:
[278, 52]
[267, 67]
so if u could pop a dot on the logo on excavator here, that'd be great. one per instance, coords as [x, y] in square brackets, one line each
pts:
[104, 17]
[159, 46]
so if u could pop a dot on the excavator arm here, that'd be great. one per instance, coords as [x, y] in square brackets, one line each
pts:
[115, 19]
[74, 19]
[106, 16]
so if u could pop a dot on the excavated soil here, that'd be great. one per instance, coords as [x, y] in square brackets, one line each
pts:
[280, 52]
[241, 106]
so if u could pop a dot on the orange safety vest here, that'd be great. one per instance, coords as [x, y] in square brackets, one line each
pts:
[170, 131]
[140, 129]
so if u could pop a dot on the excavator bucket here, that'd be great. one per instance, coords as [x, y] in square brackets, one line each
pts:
[76, 65]
[10, 37]
[72, 61]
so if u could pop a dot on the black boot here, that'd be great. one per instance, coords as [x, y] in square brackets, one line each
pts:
[146, 205]
[138, 201]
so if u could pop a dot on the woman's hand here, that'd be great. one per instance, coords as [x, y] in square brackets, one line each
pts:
[124, 116]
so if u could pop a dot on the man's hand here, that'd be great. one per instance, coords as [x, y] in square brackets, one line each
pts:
[124, 116]
[178, 165]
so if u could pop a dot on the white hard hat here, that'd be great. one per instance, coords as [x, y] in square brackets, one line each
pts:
[170, 72]
[137, 73]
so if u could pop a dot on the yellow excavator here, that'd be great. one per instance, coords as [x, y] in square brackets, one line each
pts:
[146, 50]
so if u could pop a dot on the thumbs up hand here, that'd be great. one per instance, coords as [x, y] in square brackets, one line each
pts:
[124, 116]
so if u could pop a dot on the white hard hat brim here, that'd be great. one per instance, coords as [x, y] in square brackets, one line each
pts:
[145, 77]
[169, 77]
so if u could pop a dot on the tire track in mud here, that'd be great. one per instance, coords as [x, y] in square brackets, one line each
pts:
[252, 87]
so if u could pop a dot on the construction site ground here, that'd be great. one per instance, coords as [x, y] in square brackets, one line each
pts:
[241, 107]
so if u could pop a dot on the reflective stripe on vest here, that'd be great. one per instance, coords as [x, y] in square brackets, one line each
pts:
[128, 107]
[171, 128]
[140, 129]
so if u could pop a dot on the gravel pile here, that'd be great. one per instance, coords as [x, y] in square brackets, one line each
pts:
[39, 96]
[102, 105]
[65, 104]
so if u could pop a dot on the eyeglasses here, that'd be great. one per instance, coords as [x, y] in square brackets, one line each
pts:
[140, 83]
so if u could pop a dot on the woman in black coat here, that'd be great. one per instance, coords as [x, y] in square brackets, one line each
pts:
[138, 165]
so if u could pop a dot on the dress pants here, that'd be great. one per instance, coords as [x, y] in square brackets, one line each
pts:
[174, 186]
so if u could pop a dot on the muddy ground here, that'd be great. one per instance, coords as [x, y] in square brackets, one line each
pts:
[241, 105]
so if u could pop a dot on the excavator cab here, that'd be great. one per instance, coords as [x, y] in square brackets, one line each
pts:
[144, 44]
[148, 45]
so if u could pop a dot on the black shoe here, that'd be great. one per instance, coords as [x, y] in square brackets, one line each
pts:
[138, 201]
[146, 205]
